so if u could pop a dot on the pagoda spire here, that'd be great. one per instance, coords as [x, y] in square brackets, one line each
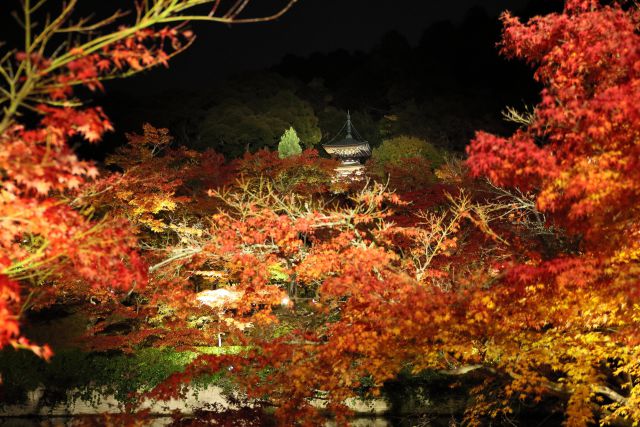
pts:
[349, 151]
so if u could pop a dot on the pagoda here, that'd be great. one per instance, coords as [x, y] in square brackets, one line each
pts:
[350, 151]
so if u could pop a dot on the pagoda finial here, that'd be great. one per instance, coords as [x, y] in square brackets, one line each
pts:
[348, 124]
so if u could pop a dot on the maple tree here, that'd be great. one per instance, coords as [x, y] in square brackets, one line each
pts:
[355, 297]
[169, 195]
[577, 156]
[332, 288]
[532, 279]
[406, 162]
[51, 246]
[157, 179]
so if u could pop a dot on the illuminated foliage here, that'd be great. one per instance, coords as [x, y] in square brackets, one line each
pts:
[289, 144]
[50, 245]
[406, 162]
[529, 279]
[393, 151]
[572, 312]
[157, 180]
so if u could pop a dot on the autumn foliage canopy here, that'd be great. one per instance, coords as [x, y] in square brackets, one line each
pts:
[520, 264]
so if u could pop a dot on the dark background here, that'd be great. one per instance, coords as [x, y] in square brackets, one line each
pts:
[429, 69]
[311, 26]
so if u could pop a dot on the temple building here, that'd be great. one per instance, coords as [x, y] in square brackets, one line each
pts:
[350, 151]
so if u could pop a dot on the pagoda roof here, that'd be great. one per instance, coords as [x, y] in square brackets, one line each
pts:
[349, 141]
[348, 146]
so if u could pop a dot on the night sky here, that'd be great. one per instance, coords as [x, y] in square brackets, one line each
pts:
[453, 71]
[311, 26]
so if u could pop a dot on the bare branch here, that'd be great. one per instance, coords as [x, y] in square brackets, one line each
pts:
[83, 25]
[524, 118]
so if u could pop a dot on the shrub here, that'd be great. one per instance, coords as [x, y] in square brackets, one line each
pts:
[289, 144]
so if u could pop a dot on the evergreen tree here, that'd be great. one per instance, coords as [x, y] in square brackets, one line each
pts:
[289, 144]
